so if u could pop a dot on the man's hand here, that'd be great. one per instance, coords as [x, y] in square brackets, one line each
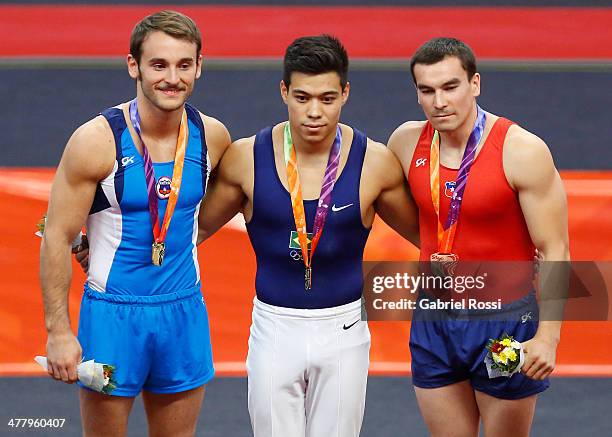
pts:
[540, 355]
[81, 254]
[63, 355]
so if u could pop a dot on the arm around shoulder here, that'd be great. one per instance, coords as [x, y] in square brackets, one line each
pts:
[217, 138]
[394, 204]
[225, 194]
[403, 141]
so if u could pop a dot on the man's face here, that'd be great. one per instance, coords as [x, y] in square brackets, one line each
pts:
[445, 93]
[167, 70]
[314, 102]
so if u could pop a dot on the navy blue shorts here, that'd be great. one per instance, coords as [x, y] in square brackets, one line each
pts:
[159, 343]
[449, 346]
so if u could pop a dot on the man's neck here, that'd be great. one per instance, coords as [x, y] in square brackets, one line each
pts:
[457, 139]
[155, 123]
[313, 149]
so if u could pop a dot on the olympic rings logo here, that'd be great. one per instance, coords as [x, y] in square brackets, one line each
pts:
[297, 256]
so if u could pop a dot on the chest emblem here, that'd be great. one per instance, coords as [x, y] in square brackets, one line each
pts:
[449, 188]
[163, 187]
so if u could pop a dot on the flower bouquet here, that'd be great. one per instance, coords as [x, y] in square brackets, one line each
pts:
[96, 376]
[505, 356]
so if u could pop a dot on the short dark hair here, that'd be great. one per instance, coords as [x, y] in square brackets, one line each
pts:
[436, 49]
[316, 55]
[172, 23]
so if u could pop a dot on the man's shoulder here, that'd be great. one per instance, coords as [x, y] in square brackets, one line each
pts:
[90, 151]
[218, 137]
[93, 134]
[241, 150]
[405, 137]
[522, 144]
[411, 127]
[380, 164]
[243, 144]
[526, 157]
[214, 127]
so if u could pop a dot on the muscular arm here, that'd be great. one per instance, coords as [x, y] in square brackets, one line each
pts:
[531, 172]
[217, 139]
[402, 144]
[88, 158]
[225, 195]
[394, 204]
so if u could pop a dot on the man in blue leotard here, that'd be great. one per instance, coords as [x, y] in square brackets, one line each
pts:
[136, 174]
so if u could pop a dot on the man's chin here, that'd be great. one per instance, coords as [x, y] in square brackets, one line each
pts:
[170, 106]
[443, 125]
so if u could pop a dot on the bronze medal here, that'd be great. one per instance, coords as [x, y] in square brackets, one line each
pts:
[308, 278]
[443, 264]
[157, 256]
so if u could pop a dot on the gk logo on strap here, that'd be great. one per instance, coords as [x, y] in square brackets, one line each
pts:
[420, 162]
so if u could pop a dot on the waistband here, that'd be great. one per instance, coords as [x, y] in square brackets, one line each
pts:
[131, 299]
[300, 313]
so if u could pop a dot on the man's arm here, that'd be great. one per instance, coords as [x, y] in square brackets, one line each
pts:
[225, 194]
[394, 203]
[403, 142]
[531, 172]
[88, 157]
[217, 139]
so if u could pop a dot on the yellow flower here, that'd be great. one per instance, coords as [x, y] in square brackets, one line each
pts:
[501, 357]
[506, 342]
[510, 353]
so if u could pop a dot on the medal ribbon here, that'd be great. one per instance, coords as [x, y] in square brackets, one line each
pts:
[446, 233]
[159, 235]
[295, 188]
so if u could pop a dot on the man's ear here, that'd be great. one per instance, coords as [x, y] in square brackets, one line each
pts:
[284, 91]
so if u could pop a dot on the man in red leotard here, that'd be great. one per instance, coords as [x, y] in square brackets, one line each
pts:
[512, 203]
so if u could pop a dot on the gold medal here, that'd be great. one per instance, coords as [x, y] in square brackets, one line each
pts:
[443, 264]
[158, 252]
[308, 278]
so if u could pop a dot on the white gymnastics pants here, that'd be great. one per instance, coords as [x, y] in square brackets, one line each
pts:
[307, 371]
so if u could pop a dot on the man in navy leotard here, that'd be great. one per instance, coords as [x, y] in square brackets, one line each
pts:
[309, 189]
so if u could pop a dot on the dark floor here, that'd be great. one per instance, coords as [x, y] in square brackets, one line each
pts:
[572, 407]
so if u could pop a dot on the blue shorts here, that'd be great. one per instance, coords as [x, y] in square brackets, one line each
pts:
[158, 343]
[447, 347]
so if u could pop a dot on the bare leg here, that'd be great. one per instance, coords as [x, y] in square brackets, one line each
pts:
[104, 415]
[449, 411]
[173, 414]
[501, 415]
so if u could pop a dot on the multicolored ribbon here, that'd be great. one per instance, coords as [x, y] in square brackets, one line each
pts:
[159, 234]
[297, 201]
[446, 233]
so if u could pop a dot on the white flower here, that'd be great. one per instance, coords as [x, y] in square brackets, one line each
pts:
[515, 344]
[106, 381]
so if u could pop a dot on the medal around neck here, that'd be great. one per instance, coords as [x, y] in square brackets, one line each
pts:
[444, 261]
[158, 250]
[297, 202]
[443, 264]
